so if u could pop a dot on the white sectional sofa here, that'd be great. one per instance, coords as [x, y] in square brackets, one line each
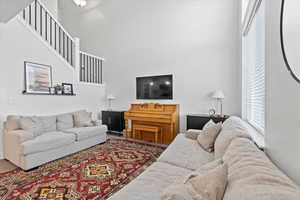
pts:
[251, 175]
[52, 137]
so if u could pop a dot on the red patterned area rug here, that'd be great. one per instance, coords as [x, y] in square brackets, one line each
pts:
[95, 173]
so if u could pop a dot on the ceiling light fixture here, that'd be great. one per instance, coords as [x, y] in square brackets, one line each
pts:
[80, 3]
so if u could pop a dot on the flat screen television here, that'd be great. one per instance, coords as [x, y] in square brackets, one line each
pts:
[154, 87]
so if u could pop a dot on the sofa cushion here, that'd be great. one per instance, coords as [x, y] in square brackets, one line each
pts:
[47, 141]
[235, 124]
[150, 184]
[82, 119]
[208, 137]
[186, 153]
[32, 124]
[251, 175]
[209, 166]
[48, 123]
[65, 121]
[83, 133]
[224, 139]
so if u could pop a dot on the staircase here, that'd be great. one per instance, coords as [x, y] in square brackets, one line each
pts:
[42, 23]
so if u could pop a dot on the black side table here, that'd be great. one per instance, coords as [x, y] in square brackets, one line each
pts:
[114, 121]
[198, 121]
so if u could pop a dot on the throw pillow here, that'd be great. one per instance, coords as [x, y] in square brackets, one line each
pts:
[212, 184]
[209, 124]
[49, 123]
[32, 124]
[65, 121]
[223, 141]
[208, 137]
[192, 134]
[83, 119]
[207, 185]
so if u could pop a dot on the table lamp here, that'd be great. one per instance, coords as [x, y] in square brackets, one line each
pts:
[110, 98]
[219, 95]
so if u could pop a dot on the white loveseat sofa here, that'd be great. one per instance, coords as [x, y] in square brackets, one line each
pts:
[57, 137]
[251, 175]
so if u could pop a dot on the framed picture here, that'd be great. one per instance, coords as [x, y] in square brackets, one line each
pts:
[38, 78]
[67, 88]
[52, 90]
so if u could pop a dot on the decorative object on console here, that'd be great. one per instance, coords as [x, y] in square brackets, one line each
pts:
[163, 116]
[38, 78]
[67, 88]
[110, 98]
[114, 120]
[58, 89]
[219, 95]
[52, 90]
[199, 121]
[211, 112]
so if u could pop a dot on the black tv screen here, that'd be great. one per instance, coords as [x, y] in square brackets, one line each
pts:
[154, 87]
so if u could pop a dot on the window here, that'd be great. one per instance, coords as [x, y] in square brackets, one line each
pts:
[244, 8]
[254, 70]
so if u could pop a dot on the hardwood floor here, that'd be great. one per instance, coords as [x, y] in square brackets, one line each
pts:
[6, 166]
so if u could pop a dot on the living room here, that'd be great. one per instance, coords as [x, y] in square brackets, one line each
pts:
[227, 61]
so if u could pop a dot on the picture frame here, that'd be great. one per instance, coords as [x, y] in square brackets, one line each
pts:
[67, 89]
[37, 78]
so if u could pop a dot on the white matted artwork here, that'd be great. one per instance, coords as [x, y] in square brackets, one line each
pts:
[38, 78]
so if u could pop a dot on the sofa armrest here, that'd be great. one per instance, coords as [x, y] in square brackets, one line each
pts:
[19, 136]
[13, 144]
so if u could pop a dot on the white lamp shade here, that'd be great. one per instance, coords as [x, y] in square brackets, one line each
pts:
[111, 97]
[218, 94]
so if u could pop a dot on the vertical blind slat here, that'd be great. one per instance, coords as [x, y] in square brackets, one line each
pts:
[254, 55]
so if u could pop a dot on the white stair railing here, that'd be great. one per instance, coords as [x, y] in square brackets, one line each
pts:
[40, 19]
[90, 68]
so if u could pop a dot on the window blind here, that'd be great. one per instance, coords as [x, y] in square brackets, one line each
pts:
[254, 55]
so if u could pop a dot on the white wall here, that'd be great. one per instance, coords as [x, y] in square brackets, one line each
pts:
[195, 40]
[282, 100]
[52, 6]
[19, 44]
[9, 8]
